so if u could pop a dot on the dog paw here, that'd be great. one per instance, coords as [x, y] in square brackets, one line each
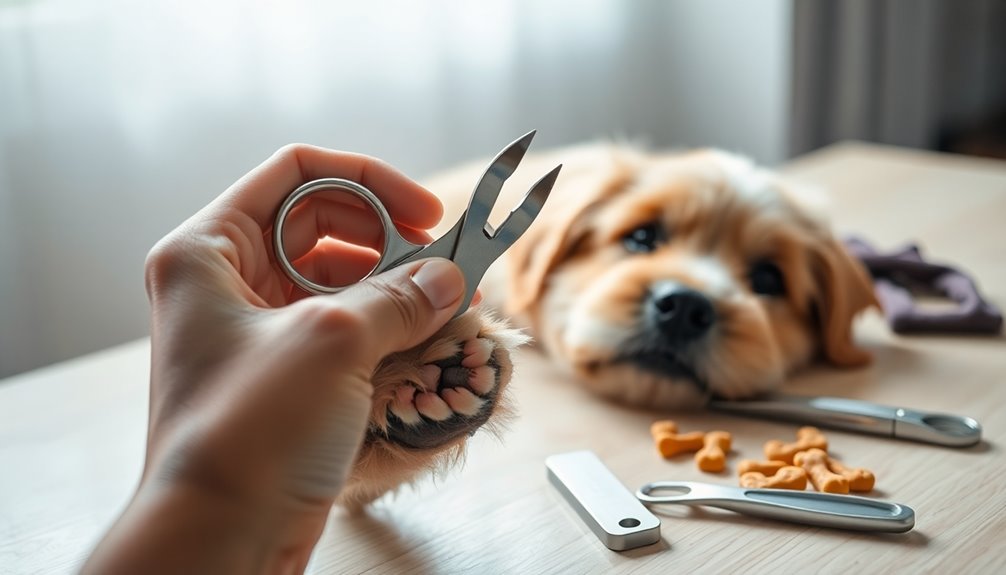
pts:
[454, 396]
[428, 400]
[446, 388]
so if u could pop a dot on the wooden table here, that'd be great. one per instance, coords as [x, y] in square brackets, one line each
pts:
[71, 435]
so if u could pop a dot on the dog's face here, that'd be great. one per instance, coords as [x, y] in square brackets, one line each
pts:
[663, 280]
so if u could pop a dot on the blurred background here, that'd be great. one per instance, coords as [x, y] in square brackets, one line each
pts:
[119, 119]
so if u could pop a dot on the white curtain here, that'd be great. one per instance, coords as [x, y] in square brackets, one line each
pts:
[119, 118]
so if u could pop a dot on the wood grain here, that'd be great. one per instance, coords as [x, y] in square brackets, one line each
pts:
[71, 436]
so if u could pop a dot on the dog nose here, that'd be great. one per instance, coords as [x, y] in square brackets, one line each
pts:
[681, 314]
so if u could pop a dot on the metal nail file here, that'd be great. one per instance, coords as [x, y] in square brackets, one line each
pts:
[611, 511]
[862, 417]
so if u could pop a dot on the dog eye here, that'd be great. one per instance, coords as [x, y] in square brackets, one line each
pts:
[644, 239]
[766, 279]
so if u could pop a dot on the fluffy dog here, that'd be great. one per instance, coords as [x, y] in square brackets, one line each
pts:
[663, 279]
[660, 279]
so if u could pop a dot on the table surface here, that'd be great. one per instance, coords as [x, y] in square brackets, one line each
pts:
[71, 435]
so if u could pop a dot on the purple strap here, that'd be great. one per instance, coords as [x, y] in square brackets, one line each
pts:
[896, 274]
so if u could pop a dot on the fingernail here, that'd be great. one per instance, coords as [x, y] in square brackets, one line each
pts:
[441, 281]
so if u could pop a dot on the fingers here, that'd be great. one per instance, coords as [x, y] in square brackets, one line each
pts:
[334, 263]
[392, 311]
[259, 193]
[319, 217]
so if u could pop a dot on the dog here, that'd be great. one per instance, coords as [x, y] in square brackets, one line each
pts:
[659, 279]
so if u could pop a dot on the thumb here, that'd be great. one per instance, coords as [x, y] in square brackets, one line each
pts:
[404, 306]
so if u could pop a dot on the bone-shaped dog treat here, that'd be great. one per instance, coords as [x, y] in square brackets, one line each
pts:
[663, 427]
[815, 463]
[712, 457]
[787, 477]
[767, 468]
[859, 479]
[671, 444]
[806, 438]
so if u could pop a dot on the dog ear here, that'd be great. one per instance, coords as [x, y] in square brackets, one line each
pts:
[558, 231]
[545, 244]
[844, 289]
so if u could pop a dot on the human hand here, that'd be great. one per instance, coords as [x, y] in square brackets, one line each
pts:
[260, 396]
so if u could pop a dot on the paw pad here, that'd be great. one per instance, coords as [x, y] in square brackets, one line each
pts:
[453, 397]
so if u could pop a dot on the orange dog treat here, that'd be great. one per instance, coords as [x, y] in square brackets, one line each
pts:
[806, 438]
[767, 468]
[859, 479]
[815, 463]
[712, 457]
[663, 427]
[670, 444]
[788, 477]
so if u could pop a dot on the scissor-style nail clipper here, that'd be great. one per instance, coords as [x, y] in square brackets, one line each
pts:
[472, 243]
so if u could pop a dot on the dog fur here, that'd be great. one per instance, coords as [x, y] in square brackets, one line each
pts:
[571, 280]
